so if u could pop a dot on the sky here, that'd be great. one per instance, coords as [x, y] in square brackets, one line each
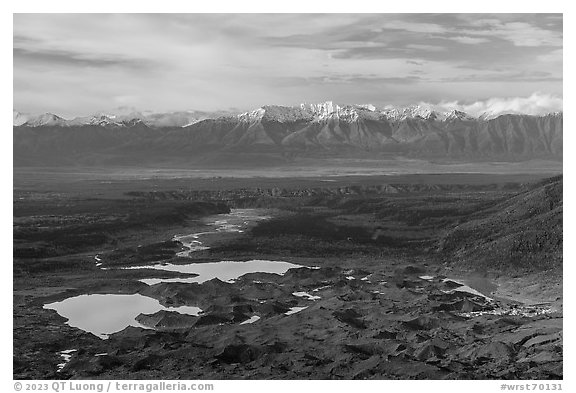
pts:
[79, 64]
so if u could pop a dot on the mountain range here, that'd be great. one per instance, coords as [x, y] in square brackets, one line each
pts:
[323, 129]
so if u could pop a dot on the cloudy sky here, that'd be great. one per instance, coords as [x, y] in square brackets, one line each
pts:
[78, 64]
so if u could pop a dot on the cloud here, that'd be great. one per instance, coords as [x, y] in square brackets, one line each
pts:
[424, 47]
[519, 33]
[415, 27]
[469, 40]
[535, 104]
[69, 58]
[554, 56]
[368, 79]
[73, 64]
[522, 76]
[23, 40]
[348, 80]
[414, 62]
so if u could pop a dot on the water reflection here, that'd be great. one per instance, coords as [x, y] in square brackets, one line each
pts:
[102, 315]
[235, 221]
[224, 270]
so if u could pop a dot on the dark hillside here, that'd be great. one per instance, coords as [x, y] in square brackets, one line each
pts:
[523, 232]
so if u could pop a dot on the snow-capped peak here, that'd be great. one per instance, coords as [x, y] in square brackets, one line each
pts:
[132, 122]
[457, 115]
[19, 118]
[323, 109]
[46, 119]
[103, 120]
[255, 115]
[319, 112]
[411, 112]
[329, 110]
[368, 107]
[190, 123]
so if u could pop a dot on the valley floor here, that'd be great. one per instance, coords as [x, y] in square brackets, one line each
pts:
[392, 292]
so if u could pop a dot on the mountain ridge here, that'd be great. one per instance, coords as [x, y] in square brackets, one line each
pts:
[279, 134]
[305, 111]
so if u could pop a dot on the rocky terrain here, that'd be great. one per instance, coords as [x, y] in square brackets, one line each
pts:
[397, 281]
[282, 135]
[367, 323]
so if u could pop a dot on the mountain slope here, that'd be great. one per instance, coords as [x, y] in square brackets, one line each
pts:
[45, 120]
[521, 233]
[308, 130]
[19, 118]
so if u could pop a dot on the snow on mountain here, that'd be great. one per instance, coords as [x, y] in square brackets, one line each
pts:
[19, 118]
[155, 120]
[352, 113]
[348, 113]
[416, 131]
[457, 115]
[494, 115]
[411, 112]
[104, 120]
[322, 110]
[252, 116]
[46, 119]
[172, 119]
[329, 110]
[130, 119]
[190, 123]
[276, 113]
[316, 112]
[368, 107]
